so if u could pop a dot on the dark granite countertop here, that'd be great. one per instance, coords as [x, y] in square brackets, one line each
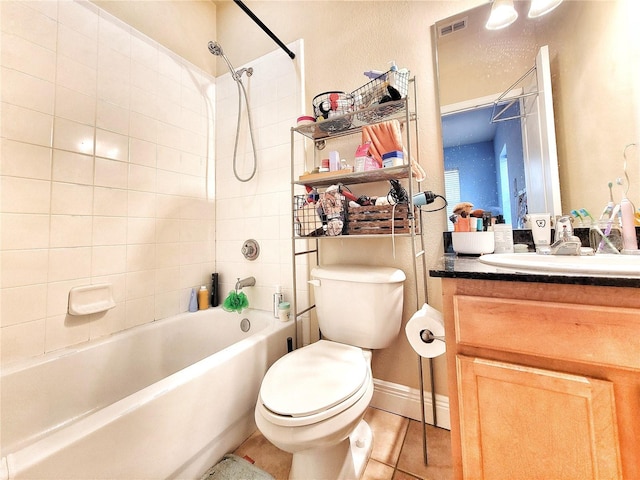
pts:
[469, 267]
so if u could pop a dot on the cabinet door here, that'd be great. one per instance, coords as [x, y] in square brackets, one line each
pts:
[519, 422]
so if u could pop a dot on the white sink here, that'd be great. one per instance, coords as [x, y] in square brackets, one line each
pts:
[601, 264]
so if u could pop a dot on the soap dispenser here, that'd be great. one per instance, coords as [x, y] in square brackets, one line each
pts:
[278, 297]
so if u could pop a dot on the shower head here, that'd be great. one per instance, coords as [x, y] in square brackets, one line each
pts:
[248, 71]
[216, 49]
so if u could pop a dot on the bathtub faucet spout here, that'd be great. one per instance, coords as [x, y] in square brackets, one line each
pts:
[245, 282]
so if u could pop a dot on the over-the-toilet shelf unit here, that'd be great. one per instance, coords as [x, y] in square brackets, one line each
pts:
[321, 134]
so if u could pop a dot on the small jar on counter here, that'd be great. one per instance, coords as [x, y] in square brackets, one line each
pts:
[284, 309]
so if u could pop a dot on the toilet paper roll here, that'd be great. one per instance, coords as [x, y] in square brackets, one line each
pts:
[426, 320]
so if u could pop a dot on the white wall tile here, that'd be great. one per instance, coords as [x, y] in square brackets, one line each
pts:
[72, 167]
[140, 284]
[24, 231]
[110, 202]
[81, 16]
[108, 260]
[24, 195]
[24, 267]
[27, 91]
[71, 199]
[109, 231]
[114, 34]
[111, 173]
[142, 152]
[22, 341]
[23, 304]
[65, 330]
[69, 263]
[19, 18]
[25, 125]
[76, 76]
[112, 145]
[76, 106]
[25, 160]
[112, 117]
[73, 136]
[70, 231]
[74, 44]
[142, 178]
[25, 56]
[139, 311]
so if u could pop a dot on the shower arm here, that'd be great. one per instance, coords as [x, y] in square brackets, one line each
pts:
[265, 28]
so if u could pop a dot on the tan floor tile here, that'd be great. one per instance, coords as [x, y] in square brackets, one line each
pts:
[438, 451]
[377, 471]
[389, 431]
[266, 455]
[404, 476]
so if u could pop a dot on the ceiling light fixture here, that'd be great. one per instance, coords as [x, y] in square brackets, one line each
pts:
[541, 7]
[502, 15]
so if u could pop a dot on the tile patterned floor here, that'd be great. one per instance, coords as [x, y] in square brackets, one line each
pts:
[396, 455]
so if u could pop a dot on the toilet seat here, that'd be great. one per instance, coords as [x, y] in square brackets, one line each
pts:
[314, 383]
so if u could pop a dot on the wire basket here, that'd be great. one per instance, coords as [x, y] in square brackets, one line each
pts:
[330, 109]
[384, 91]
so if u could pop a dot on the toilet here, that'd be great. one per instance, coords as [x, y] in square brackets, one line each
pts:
[312, 401]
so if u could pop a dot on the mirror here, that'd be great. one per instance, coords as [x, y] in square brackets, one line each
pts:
[594, 58]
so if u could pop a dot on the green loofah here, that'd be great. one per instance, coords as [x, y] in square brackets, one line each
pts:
[235, 302]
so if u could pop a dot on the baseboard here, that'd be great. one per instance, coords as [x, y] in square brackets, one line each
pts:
[405, 401]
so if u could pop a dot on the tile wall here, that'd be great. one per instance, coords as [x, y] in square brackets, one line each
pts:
[260, 208]
[108, 175]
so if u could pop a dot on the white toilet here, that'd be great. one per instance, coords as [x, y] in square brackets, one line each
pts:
[313, 399]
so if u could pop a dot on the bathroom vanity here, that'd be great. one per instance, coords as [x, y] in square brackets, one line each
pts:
[544, 372]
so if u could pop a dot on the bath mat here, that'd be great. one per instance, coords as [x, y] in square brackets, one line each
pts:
[232, 467]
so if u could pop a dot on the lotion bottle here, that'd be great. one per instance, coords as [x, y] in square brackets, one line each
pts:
[630, 240]
[278, 297]
[203, 298]
[193, 301]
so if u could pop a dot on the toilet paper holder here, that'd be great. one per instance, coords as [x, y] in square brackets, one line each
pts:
[427, 336]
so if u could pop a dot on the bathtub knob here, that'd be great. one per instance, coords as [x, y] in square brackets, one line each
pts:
[251, 249]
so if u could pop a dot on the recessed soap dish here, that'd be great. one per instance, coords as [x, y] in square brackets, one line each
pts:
[89, 299]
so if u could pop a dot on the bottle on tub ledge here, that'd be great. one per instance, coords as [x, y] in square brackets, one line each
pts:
[278, 298]
[203, 298]
[193, 301]
[214, 290]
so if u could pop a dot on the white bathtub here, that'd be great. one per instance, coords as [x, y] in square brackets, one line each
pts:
[162, 400]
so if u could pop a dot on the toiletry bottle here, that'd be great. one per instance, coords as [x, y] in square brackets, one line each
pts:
[284, 309]
[214, 290]
[503, 238]
[193, 301]
[277, 299]
[203, 298]
[630, 240]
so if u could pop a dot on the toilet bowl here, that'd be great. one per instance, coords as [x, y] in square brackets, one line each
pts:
[312, 401]
[311, 404]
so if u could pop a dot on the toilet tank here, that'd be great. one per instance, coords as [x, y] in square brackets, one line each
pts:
[359, 305]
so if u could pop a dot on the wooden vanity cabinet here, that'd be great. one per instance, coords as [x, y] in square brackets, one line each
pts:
[544, 380]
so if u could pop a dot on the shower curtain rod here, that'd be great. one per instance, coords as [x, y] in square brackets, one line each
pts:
[265, 28]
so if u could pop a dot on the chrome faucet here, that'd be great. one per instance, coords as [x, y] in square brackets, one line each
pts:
[565, 242]
[245, 282]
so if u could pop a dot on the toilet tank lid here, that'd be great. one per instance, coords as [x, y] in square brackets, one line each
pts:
[359, 273]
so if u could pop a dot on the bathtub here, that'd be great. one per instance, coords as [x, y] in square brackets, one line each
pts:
[163, 400]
